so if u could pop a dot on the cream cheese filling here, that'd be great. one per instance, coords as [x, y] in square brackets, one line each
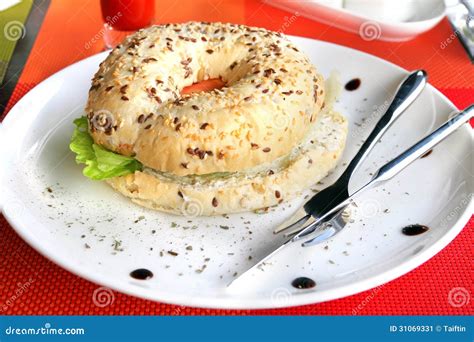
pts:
[317, 137]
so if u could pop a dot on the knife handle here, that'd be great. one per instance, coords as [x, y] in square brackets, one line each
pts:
[399, 163]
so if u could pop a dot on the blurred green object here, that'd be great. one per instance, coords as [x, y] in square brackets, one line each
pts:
[12, 29]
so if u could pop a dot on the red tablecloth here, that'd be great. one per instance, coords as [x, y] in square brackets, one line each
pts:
[30, 284]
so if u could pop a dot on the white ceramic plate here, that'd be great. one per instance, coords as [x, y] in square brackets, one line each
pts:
[58, 211]
[400, 20]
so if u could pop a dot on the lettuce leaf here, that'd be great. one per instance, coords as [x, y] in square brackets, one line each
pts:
[100, 163]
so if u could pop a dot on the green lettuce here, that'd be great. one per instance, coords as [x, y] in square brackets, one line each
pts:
[100, 163]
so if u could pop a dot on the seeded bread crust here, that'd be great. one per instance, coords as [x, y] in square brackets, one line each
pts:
[312, 162]
[272, 97]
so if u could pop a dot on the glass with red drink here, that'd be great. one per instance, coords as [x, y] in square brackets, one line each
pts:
[123, 17]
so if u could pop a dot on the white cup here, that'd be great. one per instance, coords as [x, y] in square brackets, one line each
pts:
[382, 10]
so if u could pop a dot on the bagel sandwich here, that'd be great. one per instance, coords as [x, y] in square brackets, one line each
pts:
[267, 134]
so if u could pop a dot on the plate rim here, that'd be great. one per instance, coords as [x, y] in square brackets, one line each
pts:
[242, 303]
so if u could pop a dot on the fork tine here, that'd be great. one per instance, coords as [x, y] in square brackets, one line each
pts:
[296, 220]
[329, 228]
[315, 225]
[325, 231]
[299, 228]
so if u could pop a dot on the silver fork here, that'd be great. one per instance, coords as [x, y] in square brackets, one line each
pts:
[334, 223]
[334, 220]
[325, 200]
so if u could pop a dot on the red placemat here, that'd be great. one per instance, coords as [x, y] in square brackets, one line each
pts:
[30, 284]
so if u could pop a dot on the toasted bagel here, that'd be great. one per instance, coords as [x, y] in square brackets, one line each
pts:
[272, 95]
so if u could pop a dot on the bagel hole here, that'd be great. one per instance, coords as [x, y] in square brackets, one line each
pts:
[205, 85]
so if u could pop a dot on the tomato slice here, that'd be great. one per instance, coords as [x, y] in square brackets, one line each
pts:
[214, 83]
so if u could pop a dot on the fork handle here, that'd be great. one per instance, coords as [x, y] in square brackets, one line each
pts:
[393, 167]
[397, 164]
[407, 92]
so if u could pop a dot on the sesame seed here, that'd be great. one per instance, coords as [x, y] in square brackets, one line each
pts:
[268, 72]
[267, 149]
[186, 61]
[149, 59]
[215, 203]
[123, 89]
